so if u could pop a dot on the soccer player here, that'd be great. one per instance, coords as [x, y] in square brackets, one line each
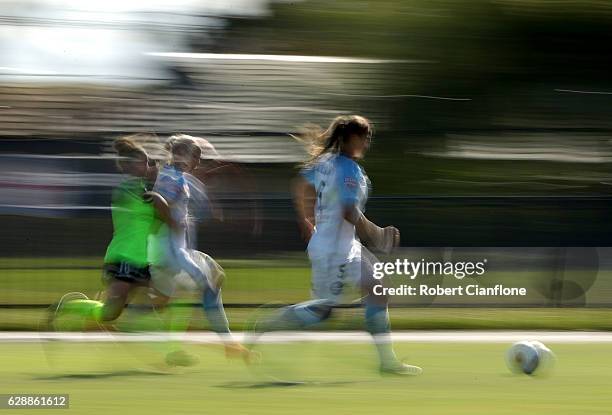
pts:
[148, 252]
[339, 187]
[126, 264]
[170, 196]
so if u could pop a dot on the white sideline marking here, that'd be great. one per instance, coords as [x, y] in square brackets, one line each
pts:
[281, 58]
[333, 336]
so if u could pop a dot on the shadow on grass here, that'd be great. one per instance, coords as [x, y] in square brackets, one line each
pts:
[281, 384]
[106, 375]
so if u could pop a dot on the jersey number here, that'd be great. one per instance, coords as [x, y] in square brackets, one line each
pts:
[320, 196]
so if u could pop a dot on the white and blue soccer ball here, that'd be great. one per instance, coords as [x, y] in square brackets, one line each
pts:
[530, 357]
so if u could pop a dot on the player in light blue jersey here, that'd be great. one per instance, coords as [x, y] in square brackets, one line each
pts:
[170, 251]
[334, 226]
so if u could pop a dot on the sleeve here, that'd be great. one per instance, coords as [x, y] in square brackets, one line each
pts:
[349, 176]
[168, 188]
[308, 173]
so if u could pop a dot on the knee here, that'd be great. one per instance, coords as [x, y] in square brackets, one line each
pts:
[111, 312]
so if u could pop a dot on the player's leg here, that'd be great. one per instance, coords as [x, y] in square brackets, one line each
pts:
[117, 293]
[327, 285]
[73, 312]
[182, 258]
[377, 320]
[165, 280]
[117, 296]
[175, 319]
[147, 315]
[176, 316]
[212, 304]
[296, 317]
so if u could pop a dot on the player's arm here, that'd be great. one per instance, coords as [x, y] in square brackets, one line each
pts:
[165, 193]
[382, 239]
[304, 194]
[372, 235]
[161, 207]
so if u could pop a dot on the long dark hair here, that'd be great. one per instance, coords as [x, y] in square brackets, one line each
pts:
[331, 140]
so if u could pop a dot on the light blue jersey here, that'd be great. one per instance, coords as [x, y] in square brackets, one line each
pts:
[339, 183]
[173, 187]
[170, 248]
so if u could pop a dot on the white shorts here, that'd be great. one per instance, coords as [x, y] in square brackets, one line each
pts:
[338, 279]
[166, 280]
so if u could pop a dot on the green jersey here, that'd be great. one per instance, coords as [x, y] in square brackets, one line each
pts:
[133, 221]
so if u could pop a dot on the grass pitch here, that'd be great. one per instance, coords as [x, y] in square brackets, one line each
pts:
[339, 378]
[285, 280]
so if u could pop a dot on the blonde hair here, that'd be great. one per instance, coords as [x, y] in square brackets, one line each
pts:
[196, 146]
[319, 141]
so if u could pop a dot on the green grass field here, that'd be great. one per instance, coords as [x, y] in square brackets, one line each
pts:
[285, 279]
[338, 378]
[341, 379]
[401, 319]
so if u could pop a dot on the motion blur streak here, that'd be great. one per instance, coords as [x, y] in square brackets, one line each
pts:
[492, 124]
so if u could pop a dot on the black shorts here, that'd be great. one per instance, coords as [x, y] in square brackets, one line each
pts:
[123, 271]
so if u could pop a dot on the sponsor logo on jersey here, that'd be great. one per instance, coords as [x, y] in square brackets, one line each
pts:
[350, 182]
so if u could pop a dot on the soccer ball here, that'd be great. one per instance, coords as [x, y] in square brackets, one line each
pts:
[530, 358]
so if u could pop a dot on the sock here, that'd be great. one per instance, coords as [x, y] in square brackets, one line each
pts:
[377, 324]
[180, 317]
[172, 320]
[85, 308]
[298, 316]
[212, 304]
